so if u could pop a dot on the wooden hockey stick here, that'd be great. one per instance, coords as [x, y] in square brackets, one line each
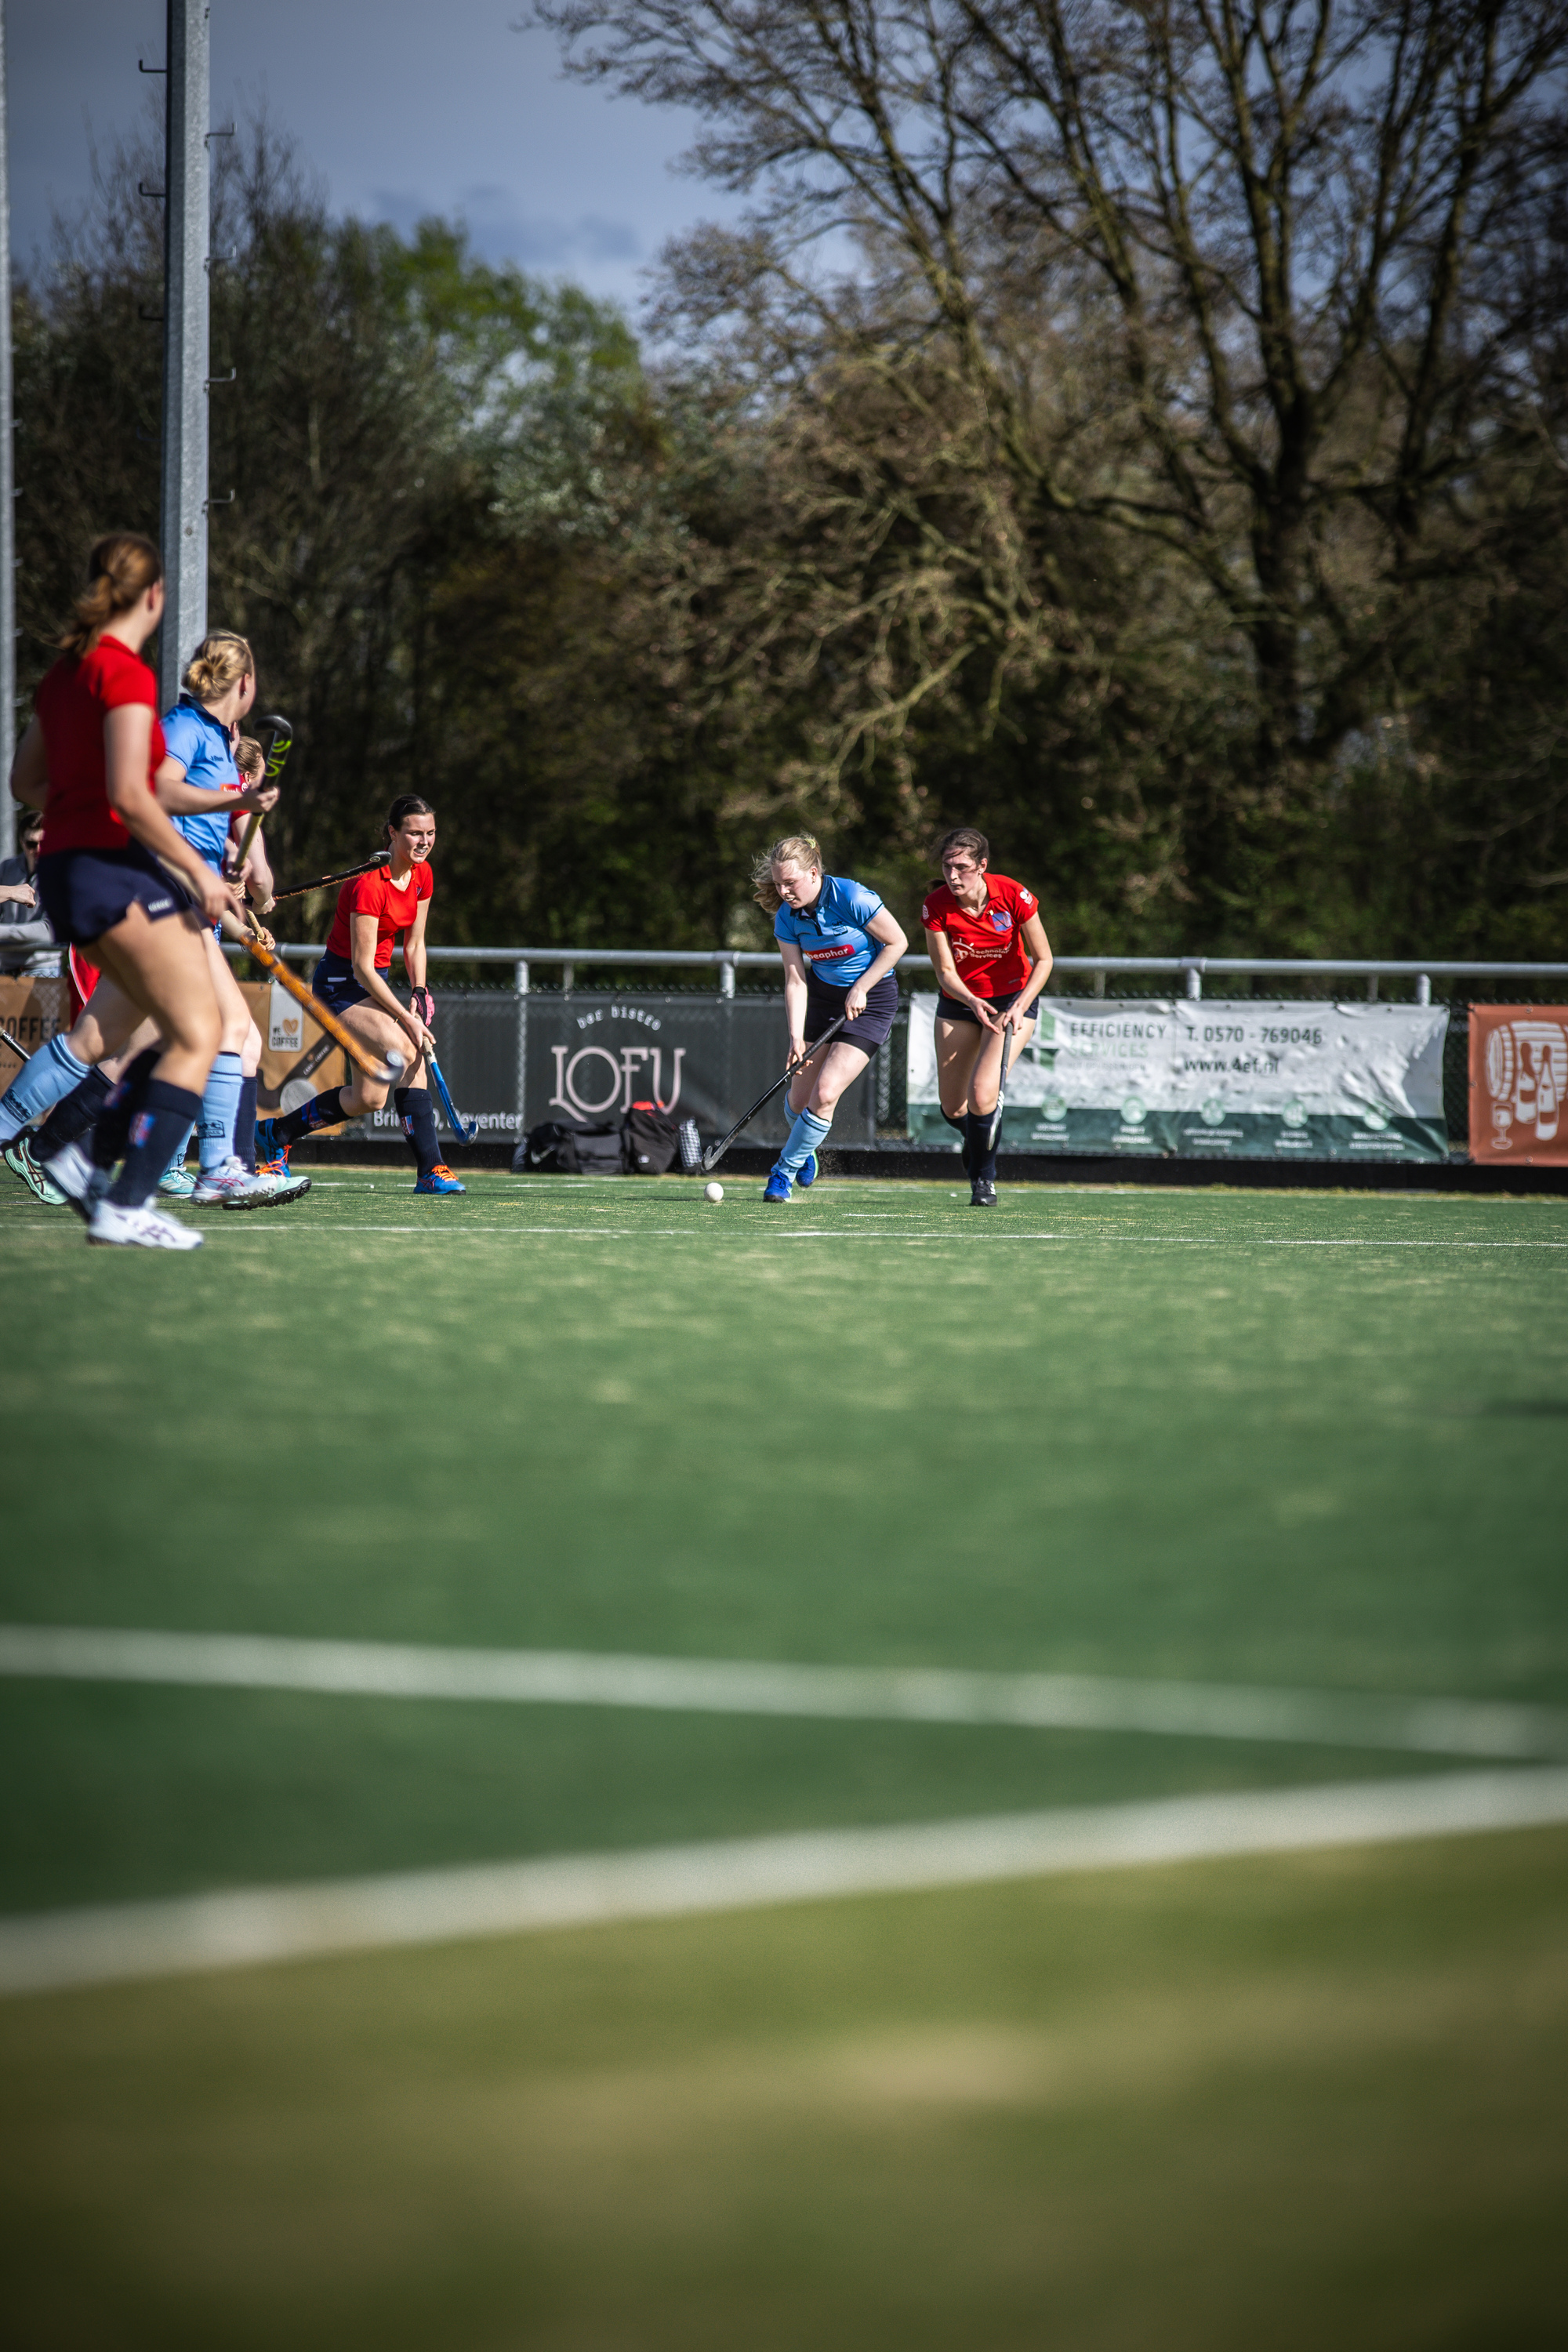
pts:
[386, 1073]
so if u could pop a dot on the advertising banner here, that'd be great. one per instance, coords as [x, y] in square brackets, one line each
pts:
[31, 1011]
[1519, 1078]
[512, 1061]
[1246, 1080]
[298, 1059]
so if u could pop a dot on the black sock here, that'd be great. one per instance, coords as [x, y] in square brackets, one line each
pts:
[167, 1114]
[417, 1113]
[981, 1160]
[75, 1115]
[322, 1110]
[244, 1126]
[959, 1126]
[117, 1105]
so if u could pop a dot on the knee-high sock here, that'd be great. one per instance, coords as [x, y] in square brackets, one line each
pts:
[153, 1128]
[417, 1112]
[105, 1105]
[980, 1160]
[111, 1135]
[219, 1103]
[322, 1110]
[242, 1141]
[808, 1134]
[959, 1126]
[53, 1073]
[77, 1116]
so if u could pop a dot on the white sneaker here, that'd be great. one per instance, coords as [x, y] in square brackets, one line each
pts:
[138, 1229]
[233, 1186]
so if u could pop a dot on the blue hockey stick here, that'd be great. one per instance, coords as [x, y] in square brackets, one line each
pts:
[464, 1134]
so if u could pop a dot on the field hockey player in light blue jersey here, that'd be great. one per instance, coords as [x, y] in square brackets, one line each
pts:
[839, 945]
[198, 784]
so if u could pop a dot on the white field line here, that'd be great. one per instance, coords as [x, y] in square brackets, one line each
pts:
[1422, 1727]
[253, 1925]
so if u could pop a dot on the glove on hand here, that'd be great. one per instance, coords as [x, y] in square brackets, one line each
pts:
[421, 1002]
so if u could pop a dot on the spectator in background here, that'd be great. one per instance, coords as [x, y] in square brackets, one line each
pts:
[27, 944]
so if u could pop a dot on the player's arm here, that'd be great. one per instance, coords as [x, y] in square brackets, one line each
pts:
[891, 943]
[30, 769]
[182, 798]
[363, 929]
[1038, 949]
[795, 998]
[947, 978]
[413, 965]
[414, 946]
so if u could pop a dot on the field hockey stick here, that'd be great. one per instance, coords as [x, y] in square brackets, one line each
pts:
[995, 1130]
[386, 1073]
[326, 881]
[15, 1044]
[279, 745]
[464, 1134]
[715, 1151]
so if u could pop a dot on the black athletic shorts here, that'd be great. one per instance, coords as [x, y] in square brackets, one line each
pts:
[85, 892]
[948, 1008]
[824, 1003]
[333, 981]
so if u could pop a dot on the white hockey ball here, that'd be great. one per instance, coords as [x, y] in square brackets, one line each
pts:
[713, 1192]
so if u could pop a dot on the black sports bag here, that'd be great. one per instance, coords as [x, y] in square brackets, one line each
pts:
[650, 1140]
[555, 1147]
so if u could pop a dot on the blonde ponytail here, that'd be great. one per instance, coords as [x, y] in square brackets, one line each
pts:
[219, 662]
[794, 849]
[120, 569]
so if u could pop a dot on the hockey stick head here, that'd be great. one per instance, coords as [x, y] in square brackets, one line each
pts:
[464, 1132]
[280, 743]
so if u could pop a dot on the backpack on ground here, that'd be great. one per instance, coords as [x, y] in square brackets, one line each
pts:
[650, 1138]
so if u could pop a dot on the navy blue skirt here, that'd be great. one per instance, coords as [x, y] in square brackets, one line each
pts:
[333, 981]
[824, 1003]
[85, 892]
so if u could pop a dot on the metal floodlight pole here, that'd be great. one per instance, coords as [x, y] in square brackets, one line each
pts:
[183, 517]
[8, 488]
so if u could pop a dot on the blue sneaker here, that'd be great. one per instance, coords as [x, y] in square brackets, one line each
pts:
[439, 1180]
[809, 1173]
[778, 1186]
[178, 1183]
[270, 1153]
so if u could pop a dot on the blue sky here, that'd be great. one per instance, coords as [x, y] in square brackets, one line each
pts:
[404, 107]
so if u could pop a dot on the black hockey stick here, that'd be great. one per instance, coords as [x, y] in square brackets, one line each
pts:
[326, 881]
[995, 1130]
[279, 743]
[715, 1151]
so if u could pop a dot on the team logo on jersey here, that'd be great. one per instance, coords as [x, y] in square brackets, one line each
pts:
[1001, 920]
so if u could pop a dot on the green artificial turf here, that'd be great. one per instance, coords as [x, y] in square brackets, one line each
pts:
[1296, 2102]
[1133, 1434]
[1310, 1440]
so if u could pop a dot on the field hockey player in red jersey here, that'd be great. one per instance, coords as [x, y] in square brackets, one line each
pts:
[107, 881]
[992, 958]
[352, 981]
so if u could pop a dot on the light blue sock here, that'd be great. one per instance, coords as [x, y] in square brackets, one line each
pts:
[808, 1134]
[177, 1157]
[45, 1080]
[219, 1104]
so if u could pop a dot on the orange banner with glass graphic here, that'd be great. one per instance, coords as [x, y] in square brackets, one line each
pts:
[1518, 1084]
